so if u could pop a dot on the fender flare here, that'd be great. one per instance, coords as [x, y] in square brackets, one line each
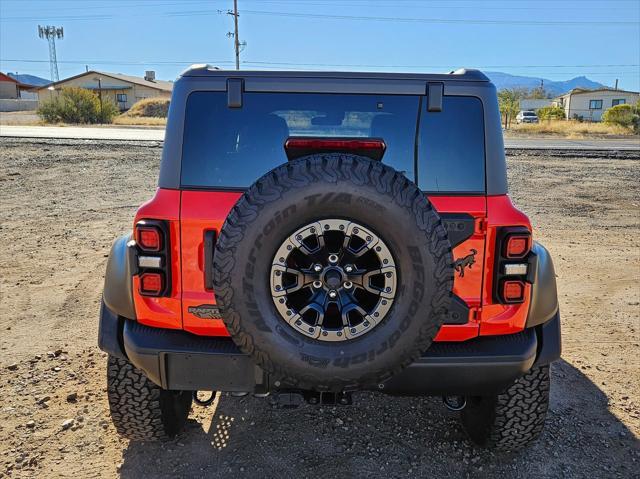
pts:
[544, 293]
[118, 284]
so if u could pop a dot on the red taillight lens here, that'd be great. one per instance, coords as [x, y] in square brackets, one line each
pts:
[371, 147]
[334, 144]
[149, 238]
[151, 284]
[513, 291]
[517, 246]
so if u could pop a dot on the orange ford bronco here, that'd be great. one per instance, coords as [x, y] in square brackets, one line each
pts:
[317, 234]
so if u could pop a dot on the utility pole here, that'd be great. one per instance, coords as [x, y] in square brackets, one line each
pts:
[235, 36]
[239, 46]
[50, 33]
[100, 96]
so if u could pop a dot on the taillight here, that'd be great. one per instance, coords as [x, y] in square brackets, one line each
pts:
[153, 257]
[513, 291]
[517, 246]
[373, 148]
[511, 268]
[149, 238]
[151, 284]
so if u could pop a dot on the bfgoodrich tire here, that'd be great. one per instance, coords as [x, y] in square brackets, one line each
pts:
[338, 189]
[140, 409]
[512, 419]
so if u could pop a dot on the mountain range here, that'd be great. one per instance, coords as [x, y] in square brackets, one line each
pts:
[554, 88]
[500, 80]
[29, 79]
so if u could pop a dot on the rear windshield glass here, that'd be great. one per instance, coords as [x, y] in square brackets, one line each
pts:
[451, 147]
[232, 147]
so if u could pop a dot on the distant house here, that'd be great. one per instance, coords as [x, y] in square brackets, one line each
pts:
[589, 105]
[530, 104]
[123, 90]
[16, 96]
[12, 89]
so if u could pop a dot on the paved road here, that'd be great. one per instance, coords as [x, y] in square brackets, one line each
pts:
[150, 134]
[83, 133]
[567, 144]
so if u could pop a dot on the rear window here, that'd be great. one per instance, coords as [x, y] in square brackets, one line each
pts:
[232, 147]
[451, 147]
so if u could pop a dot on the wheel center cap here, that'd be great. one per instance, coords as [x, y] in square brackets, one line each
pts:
[333, 278]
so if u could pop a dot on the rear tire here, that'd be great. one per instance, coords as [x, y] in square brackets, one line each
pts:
[140, 409]
[514, 418]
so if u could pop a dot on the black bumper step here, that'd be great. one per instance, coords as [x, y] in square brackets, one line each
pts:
[176, 359]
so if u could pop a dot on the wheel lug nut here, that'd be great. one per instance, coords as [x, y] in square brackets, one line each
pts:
[347, 285]
[333, 294]
[317, 268]
[333, 258]
[317, 284]
[348, 268]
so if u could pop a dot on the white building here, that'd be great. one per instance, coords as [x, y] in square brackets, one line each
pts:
[589, 105]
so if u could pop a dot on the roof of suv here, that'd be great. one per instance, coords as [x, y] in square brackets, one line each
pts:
[457, 75]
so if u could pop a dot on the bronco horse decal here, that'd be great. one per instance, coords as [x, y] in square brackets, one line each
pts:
[462, 263]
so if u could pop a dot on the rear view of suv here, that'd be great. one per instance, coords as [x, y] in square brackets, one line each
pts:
[526, 117]
[318, 234]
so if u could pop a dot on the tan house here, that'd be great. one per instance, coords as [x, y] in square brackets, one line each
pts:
[123, 90]
[589, 105]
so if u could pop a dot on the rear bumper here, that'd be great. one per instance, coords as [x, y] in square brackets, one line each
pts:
[178, 360]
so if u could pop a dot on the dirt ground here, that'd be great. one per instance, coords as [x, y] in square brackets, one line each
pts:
[63, 202]
[19, 118]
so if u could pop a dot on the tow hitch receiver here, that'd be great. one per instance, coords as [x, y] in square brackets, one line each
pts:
[294, 399]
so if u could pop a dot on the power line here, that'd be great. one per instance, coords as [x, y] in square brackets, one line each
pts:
[444, 20]
[329, 3]
[353, 65]
[192, 13]
[443, 66]
[367, 65]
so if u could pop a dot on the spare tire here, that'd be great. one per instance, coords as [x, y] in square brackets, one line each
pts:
[333, 272]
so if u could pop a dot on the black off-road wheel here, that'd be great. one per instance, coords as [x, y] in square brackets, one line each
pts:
[140, 409]
[333, 272]
[514, 418]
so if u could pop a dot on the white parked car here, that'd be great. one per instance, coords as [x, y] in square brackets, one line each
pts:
[526, 117]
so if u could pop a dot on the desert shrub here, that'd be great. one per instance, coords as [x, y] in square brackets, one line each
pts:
[551, 113]
[49, 110]
[77, 105]
[150, 107]
[623, 115]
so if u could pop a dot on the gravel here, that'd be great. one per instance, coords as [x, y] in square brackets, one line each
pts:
[63, 203]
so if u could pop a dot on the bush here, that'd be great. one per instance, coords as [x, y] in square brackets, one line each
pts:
[551, 113]
[150, 107]
[77, 105]
[623, 115]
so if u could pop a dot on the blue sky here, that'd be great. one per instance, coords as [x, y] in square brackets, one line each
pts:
[554, 39]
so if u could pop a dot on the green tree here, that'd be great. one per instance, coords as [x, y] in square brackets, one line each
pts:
[551, 113]
[77, 105]
[538, 93]
[509, 104]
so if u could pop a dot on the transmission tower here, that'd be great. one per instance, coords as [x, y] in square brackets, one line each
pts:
[50, 33]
